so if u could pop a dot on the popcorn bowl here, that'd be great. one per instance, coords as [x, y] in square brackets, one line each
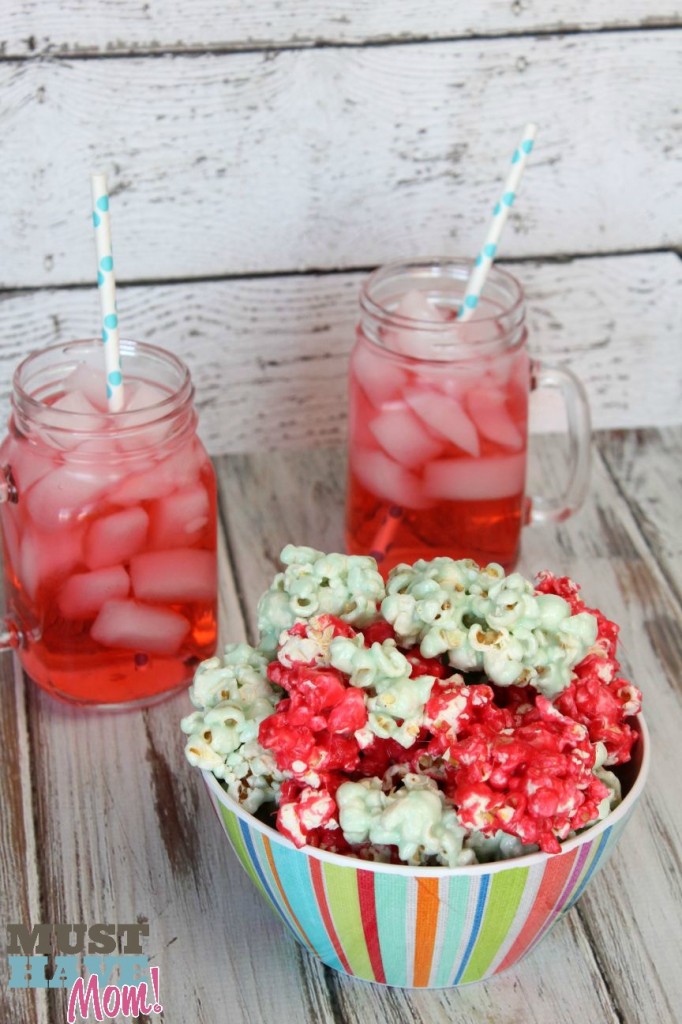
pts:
[424, 927]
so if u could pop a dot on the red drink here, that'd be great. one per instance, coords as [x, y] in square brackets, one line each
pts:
[403, 505]
[109, 533]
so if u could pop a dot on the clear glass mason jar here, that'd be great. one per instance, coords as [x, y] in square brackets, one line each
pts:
[438, 419]
[108, 527]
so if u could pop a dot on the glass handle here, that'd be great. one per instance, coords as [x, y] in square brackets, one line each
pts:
[555, 510]
[10, 636]
[8, 487]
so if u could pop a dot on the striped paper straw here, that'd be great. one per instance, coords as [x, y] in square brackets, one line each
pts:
[485, 258]
[106, 282]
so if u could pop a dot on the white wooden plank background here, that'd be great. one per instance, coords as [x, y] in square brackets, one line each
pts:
[338, 157]
[128, 25]
[269, 355]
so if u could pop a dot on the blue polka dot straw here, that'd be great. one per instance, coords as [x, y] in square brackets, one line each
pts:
[112, 379]
[501, 210]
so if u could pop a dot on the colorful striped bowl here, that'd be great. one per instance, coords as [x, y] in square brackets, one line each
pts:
[422, 927]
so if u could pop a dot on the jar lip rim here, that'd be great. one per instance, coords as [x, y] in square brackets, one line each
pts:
[370, 305]
[159, 408]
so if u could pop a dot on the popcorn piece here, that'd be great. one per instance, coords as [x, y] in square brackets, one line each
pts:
[348, 586]
[304, 809]
[415, 818]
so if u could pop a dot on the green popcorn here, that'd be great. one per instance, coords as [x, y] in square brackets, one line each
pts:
[487, 621]
[501, 654]
[499, 846]
[398, 710]
[223, 742]
[610, 780]
[238, 674]
[359, 803]
[577, 634]
[372, 667]
[233, 696]
[403, 698]
[313, 583]
[416, 818]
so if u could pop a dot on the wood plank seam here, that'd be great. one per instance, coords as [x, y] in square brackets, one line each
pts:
[556, 259]
[665, 24]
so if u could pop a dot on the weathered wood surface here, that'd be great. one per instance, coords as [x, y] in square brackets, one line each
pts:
[269, 356]
[651, 488]
[338, 157]
[104, 820]
[72, 26]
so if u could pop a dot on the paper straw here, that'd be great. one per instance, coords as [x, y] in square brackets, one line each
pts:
[485, 258]
[106, 282]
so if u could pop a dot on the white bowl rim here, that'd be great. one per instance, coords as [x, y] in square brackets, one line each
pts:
[491, 867]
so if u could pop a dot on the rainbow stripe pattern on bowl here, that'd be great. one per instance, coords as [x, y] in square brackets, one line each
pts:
[420, 927]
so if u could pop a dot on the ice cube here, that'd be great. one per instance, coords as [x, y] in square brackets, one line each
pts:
[90, 382]
[388, 479]
[445, 415]
[84, 593]
[177, 520]
[181, 574]
[158, 477]
[499, 476]
[59, 497]
[404, 438]
[487, 408]
[88, 418]
[419, 341]
[378, 377]
[140, 628]
[43, 559]
[141, 405]
[76, 401]
[415, 305]
[113, 539]
[138, 394]
[27, 465]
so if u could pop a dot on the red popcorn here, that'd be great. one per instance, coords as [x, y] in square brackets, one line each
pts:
[422, 666]
[304, 749]
[304, 809]
[381, 754]
[377, 632]
[453, 708]
[311, 731]
[534, 781]
[602, 707]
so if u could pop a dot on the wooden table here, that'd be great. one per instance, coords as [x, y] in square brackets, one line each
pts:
[104, 821]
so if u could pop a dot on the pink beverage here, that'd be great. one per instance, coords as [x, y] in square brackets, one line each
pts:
[438, 420]
[108, 526]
